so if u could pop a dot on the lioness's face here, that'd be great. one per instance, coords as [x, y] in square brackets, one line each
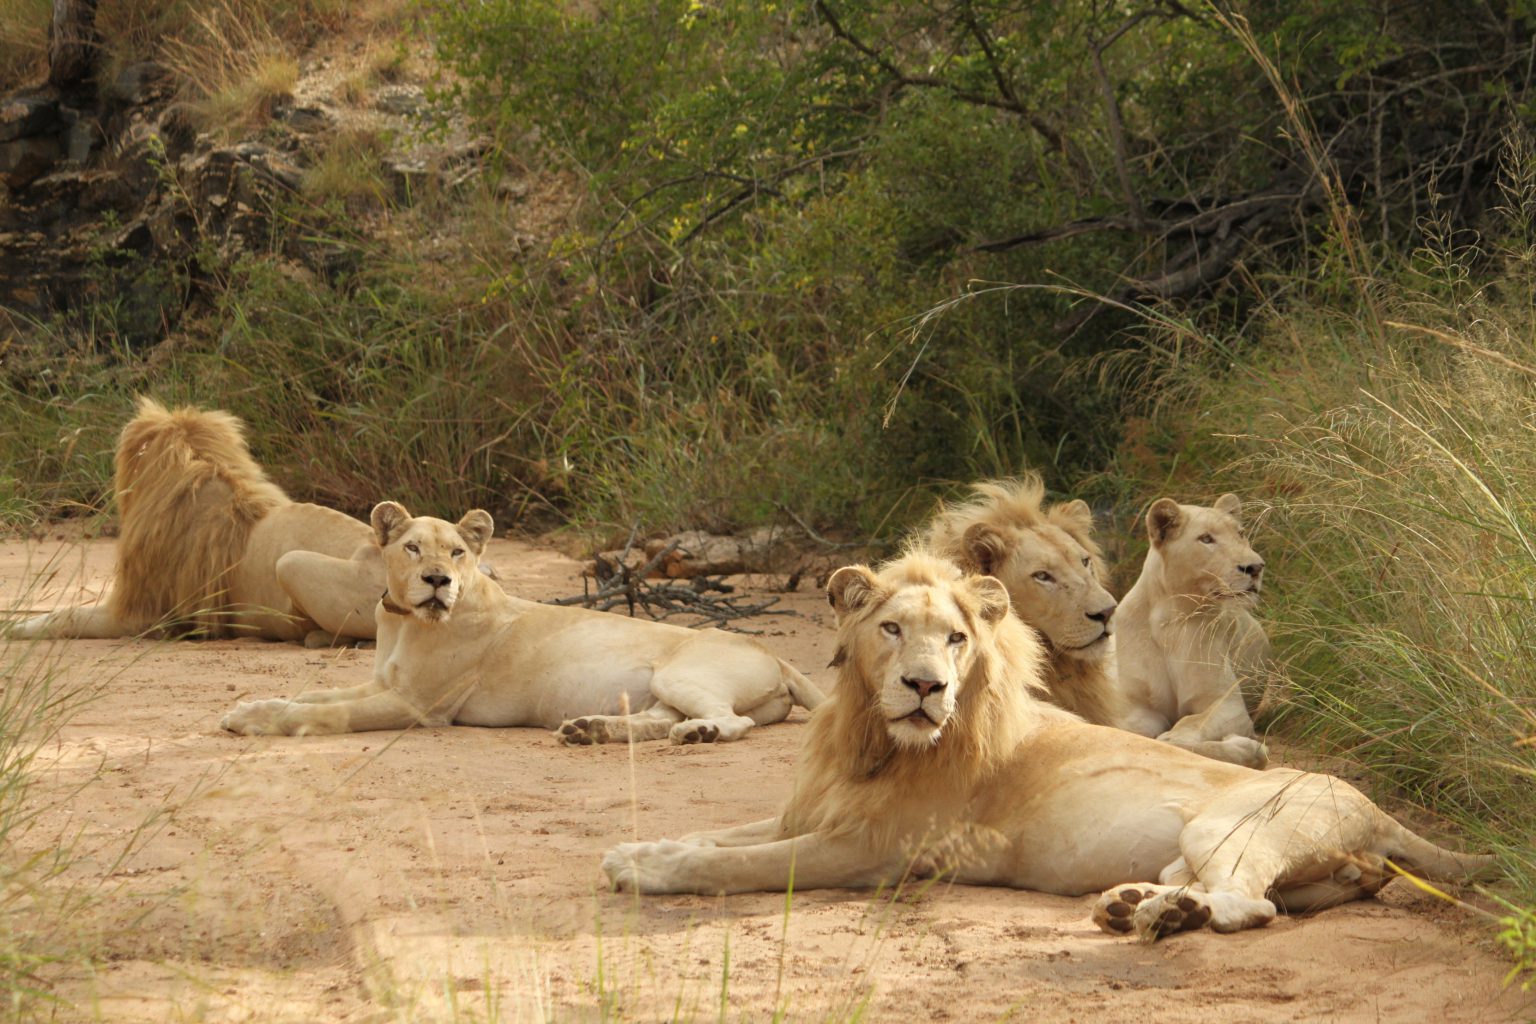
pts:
[916, 644]
[426, 560]
[1053, 583]
[1204, 550]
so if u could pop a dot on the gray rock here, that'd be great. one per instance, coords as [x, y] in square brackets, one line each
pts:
[81, 140]
[305, 120]
[25, 160]
[28, 116]
[140, 83]
[400, 99]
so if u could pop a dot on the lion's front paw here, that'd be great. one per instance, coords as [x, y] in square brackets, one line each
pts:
[646, 867]
[582, 732]
[684, 733]
[1247, 752]
[256, 718]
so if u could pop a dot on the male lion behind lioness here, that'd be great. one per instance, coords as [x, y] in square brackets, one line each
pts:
[210, 546]
[454, 648]
[1056, 579]
[935, 755]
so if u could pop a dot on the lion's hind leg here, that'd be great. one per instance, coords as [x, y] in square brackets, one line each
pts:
[84, 622]
[337, 594]
[721, 687]
[1282, 830]
[1153, 911]
[653, 723]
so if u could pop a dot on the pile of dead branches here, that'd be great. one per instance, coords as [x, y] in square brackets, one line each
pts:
[617, 583]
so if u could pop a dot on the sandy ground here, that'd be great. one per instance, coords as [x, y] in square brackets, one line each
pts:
[452, 874]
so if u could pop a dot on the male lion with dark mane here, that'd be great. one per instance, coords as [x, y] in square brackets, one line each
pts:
[935, 755]
[1056, 579]
[210, 546]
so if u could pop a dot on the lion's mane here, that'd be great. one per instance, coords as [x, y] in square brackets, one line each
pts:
[854, 779]
[1086, 688]
[189, 494]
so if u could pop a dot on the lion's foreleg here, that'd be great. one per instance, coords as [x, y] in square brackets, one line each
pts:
[814, 861]
[279, 717]
[336, 695]
[750, 834]
[1222, 731]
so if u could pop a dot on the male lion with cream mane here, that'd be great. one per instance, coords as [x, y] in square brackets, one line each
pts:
[1189, 643]
[209, 545]
[1056, 580]
[934, 755]
[456, 648]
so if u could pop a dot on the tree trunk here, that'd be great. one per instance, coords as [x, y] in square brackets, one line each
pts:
[72, 42]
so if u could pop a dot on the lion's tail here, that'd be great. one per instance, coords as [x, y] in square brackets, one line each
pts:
[1419, 856]
[801, 690]
[189, 494]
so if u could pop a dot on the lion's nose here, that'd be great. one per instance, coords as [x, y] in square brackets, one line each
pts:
[1252, 568]
[923, 686]
[1103, 614]
[437, 579]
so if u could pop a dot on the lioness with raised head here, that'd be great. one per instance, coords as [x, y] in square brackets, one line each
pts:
[1056, 579]
[454, 648]
[1189, 644]
[935, 755]
[210, 546]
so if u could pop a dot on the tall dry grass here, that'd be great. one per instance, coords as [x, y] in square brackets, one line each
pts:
[1392, 440]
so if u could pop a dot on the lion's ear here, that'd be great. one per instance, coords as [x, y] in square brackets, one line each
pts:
[1076, 511]
[985, 549]
[991, 597]
[476, 528]
[388, 519]
[1231, 504]
[851, 588]
[1076, 518]
[1164, 520]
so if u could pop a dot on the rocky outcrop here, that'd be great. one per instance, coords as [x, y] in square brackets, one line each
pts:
[111, 201]
[110, 195]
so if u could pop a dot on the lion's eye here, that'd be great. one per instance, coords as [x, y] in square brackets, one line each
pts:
[458, 552]
[958, 638]
[891, 629]
[1045, 577]
[1086, 560]
[1206, 538]
[412, 548]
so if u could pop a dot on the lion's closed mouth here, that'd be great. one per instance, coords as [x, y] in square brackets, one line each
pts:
[1092, 643]
[434, 604]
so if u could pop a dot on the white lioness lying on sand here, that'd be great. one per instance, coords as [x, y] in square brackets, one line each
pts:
[1189, 643]
[935, 755]
[210, 546]
[1056, 579]
[454, 648]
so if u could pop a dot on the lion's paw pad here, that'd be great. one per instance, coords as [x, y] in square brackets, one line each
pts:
[699, 733]
[1170, 912]
[1114, 910]
[580, 732]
